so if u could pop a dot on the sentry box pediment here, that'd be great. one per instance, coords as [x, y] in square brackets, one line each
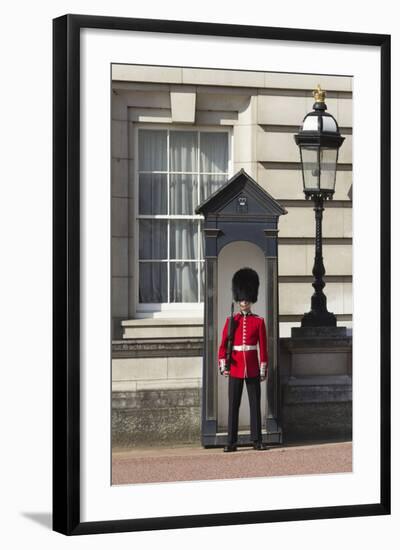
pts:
[241, 210]
[241, 196]
[240, 229]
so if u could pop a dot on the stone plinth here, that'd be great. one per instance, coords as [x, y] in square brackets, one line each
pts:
[312, 333]
[317, 389]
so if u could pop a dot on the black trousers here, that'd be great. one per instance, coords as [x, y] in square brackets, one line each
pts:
[235, 396]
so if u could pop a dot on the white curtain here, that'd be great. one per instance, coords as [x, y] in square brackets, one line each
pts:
[183, 246]
[183, 151]
[153, 275]
[183, 200]
[184, 282]
[153, 150]
[209, 184]
[214, 159]
[213, 152]
[153, 194]
[153, 282]
[153, 239]
[184, 196]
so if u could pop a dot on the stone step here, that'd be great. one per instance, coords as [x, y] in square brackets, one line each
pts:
[162, 328]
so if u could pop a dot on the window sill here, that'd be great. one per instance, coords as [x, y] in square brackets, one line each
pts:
[172, 312]
[162, 328]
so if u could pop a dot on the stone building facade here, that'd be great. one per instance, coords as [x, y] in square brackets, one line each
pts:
[235, 120]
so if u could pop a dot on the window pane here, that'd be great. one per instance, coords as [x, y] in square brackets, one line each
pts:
[183, 194]
[183, 151]
[153, 150]
[153, 282]
[183, 282]
[201, 237]
[183, 239]
[152, 239]
[152, 194]
[213, 152]
[202, 282]
[210, 184]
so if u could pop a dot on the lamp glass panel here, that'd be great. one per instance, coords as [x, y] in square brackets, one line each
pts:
[329, 124]
[310, 124]
[328, 161]
[310, 166]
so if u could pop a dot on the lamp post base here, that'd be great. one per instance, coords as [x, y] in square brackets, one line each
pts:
[318, 324]
[318, 318]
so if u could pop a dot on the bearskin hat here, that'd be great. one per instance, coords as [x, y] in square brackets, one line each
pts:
[245, 283]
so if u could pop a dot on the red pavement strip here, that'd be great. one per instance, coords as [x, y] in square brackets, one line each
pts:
[195, 463]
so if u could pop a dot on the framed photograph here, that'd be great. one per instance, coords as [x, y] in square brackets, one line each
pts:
[188, 265]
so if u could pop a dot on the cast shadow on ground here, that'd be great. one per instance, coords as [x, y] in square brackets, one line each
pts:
[42, 518]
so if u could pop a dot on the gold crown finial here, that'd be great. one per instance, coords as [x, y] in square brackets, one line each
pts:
[319, 94]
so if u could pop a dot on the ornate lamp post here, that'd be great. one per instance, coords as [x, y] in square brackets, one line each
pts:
[319, 141]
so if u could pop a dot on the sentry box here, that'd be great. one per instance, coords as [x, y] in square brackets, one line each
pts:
[240, 230]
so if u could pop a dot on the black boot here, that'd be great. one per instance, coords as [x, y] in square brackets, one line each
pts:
[259, 446]
[230, 448]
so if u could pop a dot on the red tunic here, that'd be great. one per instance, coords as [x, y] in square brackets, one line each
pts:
[249, 331]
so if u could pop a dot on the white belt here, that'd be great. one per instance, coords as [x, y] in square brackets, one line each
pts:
[244, 348]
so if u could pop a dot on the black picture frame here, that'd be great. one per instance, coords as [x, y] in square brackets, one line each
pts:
[66, 273]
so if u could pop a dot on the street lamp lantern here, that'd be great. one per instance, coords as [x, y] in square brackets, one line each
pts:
[319, 141]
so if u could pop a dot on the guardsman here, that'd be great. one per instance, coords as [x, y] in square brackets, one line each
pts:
[238, 357]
